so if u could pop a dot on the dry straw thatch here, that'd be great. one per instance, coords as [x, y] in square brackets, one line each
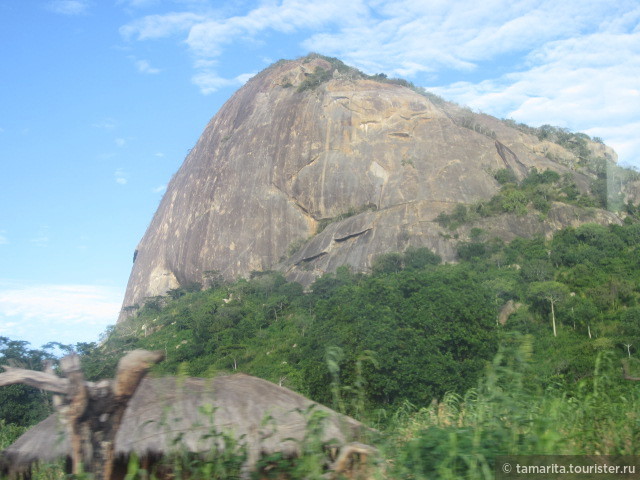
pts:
[265, 417]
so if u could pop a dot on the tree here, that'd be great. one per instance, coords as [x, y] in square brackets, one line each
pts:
[504, 176]
[20, 404]
[431, 330]
[232, 352]
[550, 293]
[536, 270]
[213, 279]
[630, 325]
[417, 258]
[471, 250]
[387, 263]
[514, 201]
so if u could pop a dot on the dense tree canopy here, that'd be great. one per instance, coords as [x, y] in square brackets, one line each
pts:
[411, 330]
[20, 404]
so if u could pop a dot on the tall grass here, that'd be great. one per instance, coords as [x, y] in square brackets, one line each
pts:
[460, 436]
[9, 433]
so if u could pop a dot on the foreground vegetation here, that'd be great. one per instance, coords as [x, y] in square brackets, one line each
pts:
[416, 350]
[459, 436]
[516, 349]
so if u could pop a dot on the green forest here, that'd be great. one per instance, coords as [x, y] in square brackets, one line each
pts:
[425, 352]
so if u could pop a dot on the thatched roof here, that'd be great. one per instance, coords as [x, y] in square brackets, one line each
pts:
[258, 413]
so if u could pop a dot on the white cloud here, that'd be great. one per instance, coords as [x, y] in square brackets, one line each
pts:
[623, 138]
[120, 142]
[121, 176]
[245, 77]
[406, 37]
[144, 66]
[402, 37]
[210, 82]
[208, 38]
[587, 83]
[3, 238]
[159, 26]
[571, 63]
[160, 189]
[69, 7]
[208, 35]
[65, 313]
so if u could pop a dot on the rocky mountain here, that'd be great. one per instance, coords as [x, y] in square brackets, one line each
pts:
[312, 165]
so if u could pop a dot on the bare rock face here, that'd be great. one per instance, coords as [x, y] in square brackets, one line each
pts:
[285, 154]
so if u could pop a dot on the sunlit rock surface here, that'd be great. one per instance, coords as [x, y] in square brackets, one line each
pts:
[381, 159]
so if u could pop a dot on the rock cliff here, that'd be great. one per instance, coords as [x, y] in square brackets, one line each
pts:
[310, 145]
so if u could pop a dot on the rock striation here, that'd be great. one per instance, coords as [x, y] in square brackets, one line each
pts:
[310, 145]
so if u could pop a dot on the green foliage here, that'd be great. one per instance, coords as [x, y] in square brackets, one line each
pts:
[461, 436]
[607, 194]
[465, 214]
[508, 411]
[295, 246]
[387, 263]
[269, 327]
[311, 464]
[542, 294]
[430, 327]
[469, 120]
[9, 432]
[416, 332]
[535, 178]
[321, 75]
[225, 460]
[410, 345]
[416, 258]
[318, 77]
[470, 251]
[410, 348]
[630, 324]
[536, 192]
[504, 176]
[514, 201]
[175, 293]
[19, 404]
[576, 143]
[421, 325]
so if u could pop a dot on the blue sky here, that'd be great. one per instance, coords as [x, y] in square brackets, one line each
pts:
[101, 100]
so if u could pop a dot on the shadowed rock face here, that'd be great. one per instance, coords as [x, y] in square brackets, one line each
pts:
[276, 160]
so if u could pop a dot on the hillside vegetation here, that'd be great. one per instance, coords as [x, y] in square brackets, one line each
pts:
[517, 348]
[415, 347]
[413, 329]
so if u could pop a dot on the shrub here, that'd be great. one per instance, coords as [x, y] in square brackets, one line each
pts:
[514, 201]
[504, 176]
[387, 263]
[318, 77]
[416, 258]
